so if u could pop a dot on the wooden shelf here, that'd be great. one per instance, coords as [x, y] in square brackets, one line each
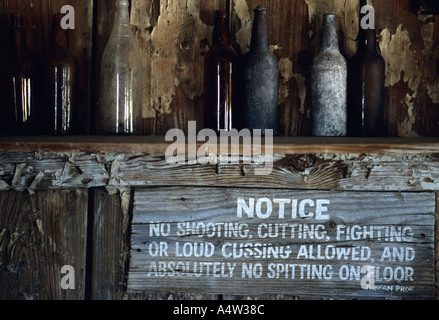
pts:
[158, 145]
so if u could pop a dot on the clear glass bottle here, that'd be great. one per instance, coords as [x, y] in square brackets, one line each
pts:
[20, 114]
[61, 84]
[120, 92]
[220, 78]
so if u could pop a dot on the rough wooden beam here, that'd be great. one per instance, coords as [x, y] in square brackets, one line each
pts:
[48, 170]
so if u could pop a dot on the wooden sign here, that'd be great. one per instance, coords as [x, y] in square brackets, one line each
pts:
[347, 245]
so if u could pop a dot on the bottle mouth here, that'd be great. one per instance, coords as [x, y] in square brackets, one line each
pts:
[123, 3]
[17, 21]
[222, 14]
[329, 18]
[260, 8]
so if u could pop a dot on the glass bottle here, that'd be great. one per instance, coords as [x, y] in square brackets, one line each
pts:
[366, 87]
[329, 85]
[121, 81]
[220, 76]
[20, 114]
[61, 84]
[260, 80]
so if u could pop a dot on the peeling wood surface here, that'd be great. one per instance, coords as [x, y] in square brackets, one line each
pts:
[408, 42]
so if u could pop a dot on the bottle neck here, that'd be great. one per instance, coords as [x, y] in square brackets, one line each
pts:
[122, 17]
[221, 30]
[329, 40]
[19, 49]
[367, 40]
[260, 38]
[60, 37]
[366, 37]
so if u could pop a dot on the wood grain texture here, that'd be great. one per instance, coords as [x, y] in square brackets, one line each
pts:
[388, 172]
[110, 244]
[39, 234]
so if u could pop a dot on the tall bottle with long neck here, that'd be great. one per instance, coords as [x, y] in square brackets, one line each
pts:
[61, 84]
[21, 107]
[329, 85]
[220, 76]
[366, 84]
[120, 90]
[260, 80]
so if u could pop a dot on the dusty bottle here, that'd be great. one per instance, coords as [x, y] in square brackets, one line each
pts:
[329, 85]
[21, 111]
[260, 80]
[366, 77]
[61, 72]
[220, 73]
[120, 89]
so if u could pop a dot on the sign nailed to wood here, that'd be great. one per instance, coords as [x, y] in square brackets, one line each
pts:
[299, 243]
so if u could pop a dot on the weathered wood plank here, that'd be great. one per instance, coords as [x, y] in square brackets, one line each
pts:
[39, 234]
[188, 245]
[394, 172]
[110, 244]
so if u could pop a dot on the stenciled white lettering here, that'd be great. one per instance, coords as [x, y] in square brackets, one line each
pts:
[265, 208]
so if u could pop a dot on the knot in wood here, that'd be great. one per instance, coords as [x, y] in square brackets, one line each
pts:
[301, 162]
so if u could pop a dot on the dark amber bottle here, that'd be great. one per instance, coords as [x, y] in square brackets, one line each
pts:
[61, 95]
[220, 76]
[20, 110]
[366, 87]
[260, 83]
